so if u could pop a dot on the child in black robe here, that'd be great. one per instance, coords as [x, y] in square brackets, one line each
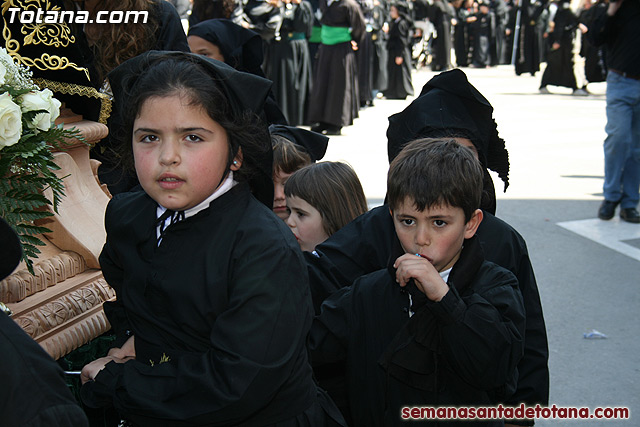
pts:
[447, 106]
[213, 304]
[440, 326]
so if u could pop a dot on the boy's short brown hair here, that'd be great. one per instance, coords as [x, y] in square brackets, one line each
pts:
[432, 172]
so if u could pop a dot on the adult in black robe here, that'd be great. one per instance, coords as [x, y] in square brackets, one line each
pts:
[34, 392]
[288, 61]
[399, 46]
[482, 25]
[529, 47]
[559, 71]
[365, 56]
[334, 97]
[595, 66]
[498, 42]
[440, 14]
[364, 245]
[380, 76]
[461, 33]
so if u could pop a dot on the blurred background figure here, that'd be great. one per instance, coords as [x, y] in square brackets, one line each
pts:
[288, 61]
[399, 47]
[334, 99]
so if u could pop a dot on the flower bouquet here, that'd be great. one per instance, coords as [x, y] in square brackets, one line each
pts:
[27, 133]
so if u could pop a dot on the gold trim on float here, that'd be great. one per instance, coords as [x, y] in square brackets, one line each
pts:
[75, 89]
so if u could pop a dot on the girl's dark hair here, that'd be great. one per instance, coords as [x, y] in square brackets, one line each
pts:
[431, 172]
[184, 76]
[333, 188]
[288, 157]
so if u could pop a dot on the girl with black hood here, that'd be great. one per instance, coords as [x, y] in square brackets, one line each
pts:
[213, 303]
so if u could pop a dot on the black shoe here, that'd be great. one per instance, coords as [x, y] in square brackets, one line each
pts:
[607, 210]
[333, 130]
[318, 128]
[630, 215]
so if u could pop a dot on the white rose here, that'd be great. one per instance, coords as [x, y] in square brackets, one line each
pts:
[41, 100]
[10, 121]
[3, 72]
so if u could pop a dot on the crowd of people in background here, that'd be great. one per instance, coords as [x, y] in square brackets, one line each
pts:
[344, 54]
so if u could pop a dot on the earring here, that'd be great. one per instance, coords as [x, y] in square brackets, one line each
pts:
[235, 162]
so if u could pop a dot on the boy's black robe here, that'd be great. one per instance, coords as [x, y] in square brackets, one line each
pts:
[220, 313]
[462, 350]
[364, 246]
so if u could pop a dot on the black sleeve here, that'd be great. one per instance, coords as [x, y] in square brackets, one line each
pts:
[361, 247]
[114, 275]
[329, 336]
[482, 333]
[601, 26]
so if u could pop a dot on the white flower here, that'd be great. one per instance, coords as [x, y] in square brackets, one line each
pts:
[3, 72]
[10, 121]
[41, 100]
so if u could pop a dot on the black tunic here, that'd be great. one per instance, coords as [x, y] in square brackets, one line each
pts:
[334, 97]
[220, 312]
[529, 47]
[288, 62]
[380, 76]
[363, 246]
[440, 14]
[462, 350]
[399, 45]
[483, 29]
[559, 71]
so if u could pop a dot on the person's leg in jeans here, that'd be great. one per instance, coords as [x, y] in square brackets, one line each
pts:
[621, 147]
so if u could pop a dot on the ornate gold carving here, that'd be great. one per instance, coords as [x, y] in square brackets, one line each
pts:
[49, 34]
[48, 272]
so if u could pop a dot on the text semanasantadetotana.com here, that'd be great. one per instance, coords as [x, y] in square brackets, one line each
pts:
[511, 412]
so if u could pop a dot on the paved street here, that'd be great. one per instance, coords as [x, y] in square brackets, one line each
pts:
[587, 269]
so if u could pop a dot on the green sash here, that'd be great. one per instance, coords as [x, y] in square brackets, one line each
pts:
[335, 35]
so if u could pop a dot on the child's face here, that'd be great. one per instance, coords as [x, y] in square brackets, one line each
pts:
[180, 153]
[305, 222]
[203, 47]
[437, 234]
[279, 200]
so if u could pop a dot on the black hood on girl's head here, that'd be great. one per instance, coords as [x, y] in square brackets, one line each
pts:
[448, 101]
[241, 47]
[313, 143]
[245, 92]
